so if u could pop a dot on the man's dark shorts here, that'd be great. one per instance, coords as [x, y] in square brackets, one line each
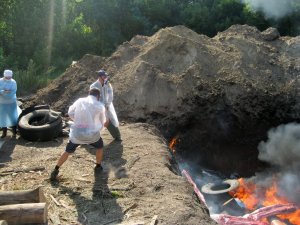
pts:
[71, 147]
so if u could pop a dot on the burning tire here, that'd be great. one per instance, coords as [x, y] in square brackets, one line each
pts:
[219, 188]
[40, 125]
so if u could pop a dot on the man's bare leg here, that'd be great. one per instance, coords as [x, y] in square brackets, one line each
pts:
[60, 162]
[99, 158]
[62, 159]
[99, 155]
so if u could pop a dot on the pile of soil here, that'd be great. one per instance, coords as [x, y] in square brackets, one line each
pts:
[219, 96]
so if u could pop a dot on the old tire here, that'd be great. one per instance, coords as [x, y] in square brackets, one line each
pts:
[31, 109]
[219, 188]
[40, 125]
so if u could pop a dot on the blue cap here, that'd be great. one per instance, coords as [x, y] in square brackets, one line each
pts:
[102, 73]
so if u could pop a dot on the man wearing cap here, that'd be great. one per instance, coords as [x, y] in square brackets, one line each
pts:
[107, 98]
[88, 115]
[9, 110]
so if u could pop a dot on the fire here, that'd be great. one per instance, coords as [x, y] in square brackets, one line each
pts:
[172, 143]
[271, 198]
[254, 196]
[245, 192]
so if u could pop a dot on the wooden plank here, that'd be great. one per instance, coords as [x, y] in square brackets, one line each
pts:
[23, 196]
[27, 213]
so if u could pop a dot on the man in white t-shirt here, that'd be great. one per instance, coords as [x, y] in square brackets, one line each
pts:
[88, 115]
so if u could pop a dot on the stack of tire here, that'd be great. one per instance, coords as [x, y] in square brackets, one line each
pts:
[39, 123]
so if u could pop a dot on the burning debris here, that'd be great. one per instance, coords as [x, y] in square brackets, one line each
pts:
[274, 214]
[221, 187]
[269, 198]
[219, 192]
[198, 193]
[256, 217]
[172, 143]
[255, 196]
[278, 187]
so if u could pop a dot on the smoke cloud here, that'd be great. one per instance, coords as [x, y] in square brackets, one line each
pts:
[283, 151]
[275, 9]
[283, 147]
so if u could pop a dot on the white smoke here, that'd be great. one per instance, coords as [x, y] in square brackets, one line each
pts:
[283, 151]
[283, 147]
[275, 9]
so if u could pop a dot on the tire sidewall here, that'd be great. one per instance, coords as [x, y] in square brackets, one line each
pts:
[44, 132]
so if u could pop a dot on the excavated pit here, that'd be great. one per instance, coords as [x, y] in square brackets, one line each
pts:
[232, 153]
[227, 159]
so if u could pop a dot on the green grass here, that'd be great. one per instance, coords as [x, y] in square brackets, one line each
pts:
[117, 194]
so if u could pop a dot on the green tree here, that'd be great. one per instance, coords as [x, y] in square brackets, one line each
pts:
[197, 16]
[227, 13]
[5, 31]
[253, 18]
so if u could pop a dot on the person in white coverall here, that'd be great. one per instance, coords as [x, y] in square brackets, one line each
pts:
[9, 110]
[107, 99]
[88, 115]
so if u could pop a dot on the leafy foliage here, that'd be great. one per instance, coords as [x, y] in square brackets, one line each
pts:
[29, 78]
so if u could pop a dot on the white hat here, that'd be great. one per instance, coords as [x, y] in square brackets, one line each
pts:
[8, 73]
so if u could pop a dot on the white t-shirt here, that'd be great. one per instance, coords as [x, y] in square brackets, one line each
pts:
[88, 115]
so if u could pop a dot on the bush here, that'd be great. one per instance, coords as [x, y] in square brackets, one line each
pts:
[29, 81]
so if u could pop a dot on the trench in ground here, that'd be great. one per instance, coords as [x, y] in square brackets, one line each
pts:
[235, 156]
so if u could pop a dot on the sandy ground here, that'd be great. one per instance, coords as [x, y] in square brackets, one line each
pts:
[136, 185]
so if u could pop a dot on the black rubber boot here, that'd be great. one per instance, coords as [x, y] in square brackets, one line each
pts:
[98, 168]
[14, 131]
[4, 132]
[53, 176]
[114, 131]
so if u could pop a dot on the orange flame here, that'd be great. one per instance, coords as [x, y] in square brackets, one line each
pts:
[253, 195]
[172, 144]
[272, 197]
[246, 193]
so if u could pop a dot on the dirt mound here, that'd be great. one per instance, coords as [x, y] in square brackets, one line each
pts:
[176, 71]
[208, 91]
[164, 73]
